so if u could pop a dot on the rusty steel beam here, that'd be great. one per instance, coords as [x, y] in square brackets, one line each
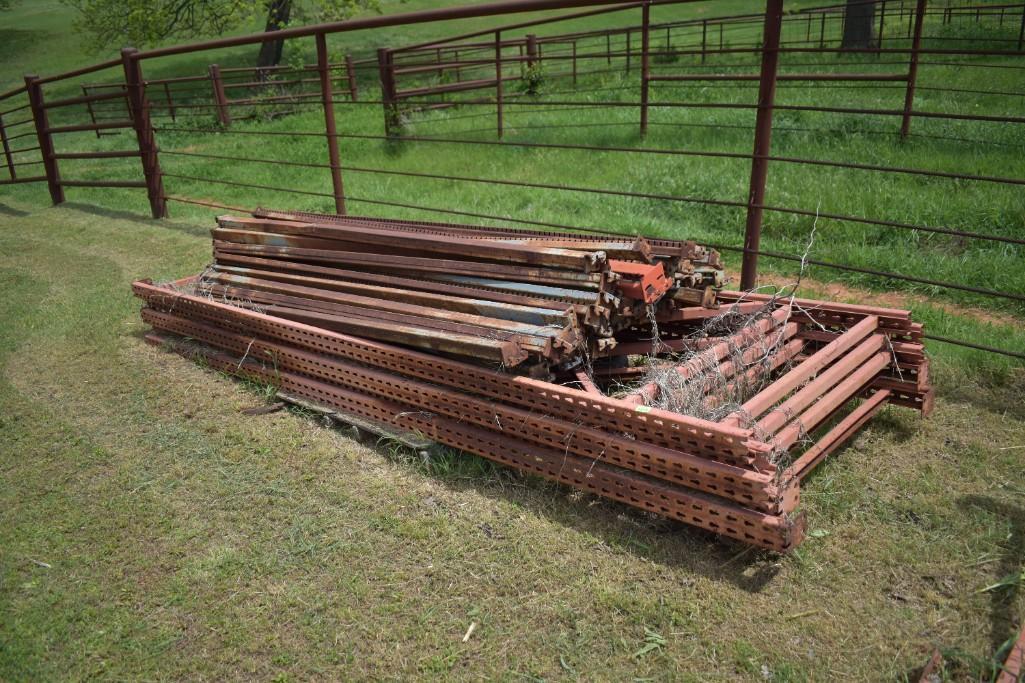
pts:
[752, 489]
[776, 532]
[757, 405]
[837, 436]
[831, 401]
[652, 425]
[275, 269]
[580, 261]
[809, 393]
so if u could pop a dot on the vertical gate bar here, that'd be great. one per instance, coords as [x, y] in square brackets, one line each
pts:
[35, 99]
[1021, 31]
[911, 23]
[704, 33]
[324, 71]
[762, 141]
[170, 100]
[645, 36]
[223, 115]
[437, 60]
[350, 72]
[822, 31]
[882, 18]
[916, 45]
[608, 48]
[7, 150]
[498, 83]
[459, 69]
[807, 30]
[136, 91]
[628, 50]
[387, 77]
[574, 61]
[89, 107]
[720, 36]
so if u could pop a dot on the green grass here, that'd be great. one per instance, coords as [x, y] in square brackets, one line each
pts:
[187, 541]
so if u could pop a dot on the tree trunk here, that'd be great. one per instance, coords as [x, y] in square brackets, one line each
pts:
[278, 12]
[858, 22]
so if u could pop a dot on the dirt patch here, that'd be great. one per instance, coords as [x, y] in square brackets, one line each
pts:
[841, 292]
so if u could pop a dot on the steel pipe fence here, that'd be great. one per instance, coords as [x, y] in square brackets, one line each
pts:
[412, 77]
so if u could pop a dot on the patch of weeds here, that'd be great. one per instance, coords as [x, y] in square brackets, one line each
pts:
[667, 55]
[653, 642]
[533, 79]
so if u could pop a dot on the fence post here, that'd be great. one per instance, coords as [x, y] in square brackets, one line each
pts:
[35, 98]
[387, 76]
[531, 51]
[324, 72]
[136, 91]
[1021, 31]
[574, 62]
[350, 72]
[916, 45]
[498, 83]
[882, 18]
[223, 114]
[170, 101]
[762, 142]
[645, 37]
[704, 33]
[7, 150]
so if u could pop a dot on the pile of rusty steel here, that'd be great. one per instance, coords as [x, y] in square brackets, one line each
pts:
[613, 365]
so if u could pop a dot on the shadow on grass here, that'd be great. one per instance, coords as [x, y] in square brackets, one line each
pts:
[994, 399]
[1012, 561]
[140, 218]
[9, 211]
[621, 528]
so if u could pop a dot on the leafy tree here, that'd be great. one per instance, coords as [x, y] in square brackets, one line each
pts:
[143, 23]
